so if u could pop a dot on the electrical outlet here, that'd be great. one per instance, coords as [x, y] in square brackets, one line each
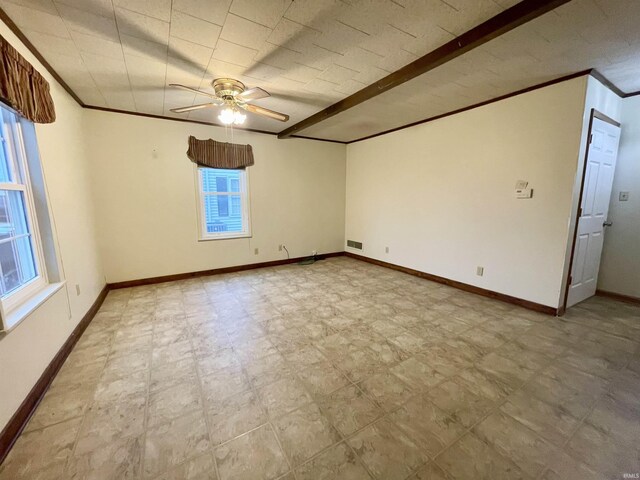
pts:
[386, 249]
[624, 196]
[256, 251]
[77, 289]
[279, 248]
[480, 271]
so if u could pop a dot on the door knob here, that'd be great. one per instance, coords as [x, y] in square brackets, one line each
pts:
[607, 224]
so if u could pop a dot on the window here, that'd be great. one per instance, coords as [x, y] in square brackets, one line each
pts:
[21, 268]
[223, 203]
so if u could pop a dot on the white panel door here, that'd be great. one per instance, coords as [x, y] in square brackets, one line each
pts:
[596, 194]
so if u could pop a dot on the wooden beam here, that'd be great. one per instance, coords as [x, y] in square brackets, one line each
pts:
[505, 21]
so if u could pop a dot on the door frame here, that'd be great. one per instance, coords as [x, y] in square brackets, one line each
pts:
[600, 116]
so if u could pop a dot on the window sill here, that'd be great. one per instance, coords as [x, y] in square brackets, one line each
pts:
[25, 309]
[225, 237]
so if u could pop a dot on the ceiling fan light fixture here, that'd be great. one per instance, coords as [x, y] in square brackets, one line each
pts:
[226, 116]
[239, 118]
[230, 116]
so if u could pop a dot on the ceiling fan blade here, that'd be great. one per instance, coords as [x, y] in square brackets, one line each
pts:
[194, 90]
[265, 112]
[194, 107]
[254, 93]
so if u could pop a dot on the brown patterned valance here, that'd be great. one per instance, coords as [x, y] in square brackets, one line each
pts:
[23, 88]
[209, 153]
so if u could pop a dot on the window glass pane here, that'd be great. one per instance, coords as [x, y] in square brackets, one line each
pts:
[13, 220]
[5, 152]
[220, 180]
[17, 262]
[227, 219]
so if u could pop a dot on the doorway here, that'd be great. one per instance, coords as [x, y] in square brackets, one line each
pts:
[593, 208]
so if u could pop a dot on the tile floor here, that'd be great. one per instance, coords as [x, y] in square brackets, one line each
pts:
[338, 370]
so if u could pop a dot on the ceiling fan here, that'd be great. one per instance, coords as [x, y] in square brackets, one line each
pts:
[233, 95]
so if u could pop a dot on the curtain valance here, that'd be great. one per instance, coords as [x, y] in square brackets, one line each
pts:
[209, 153]
[23, 88]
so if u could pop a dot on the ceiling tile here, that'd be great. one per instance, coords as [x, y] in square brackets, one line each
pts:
[146, 74]
[244, 32]
[350, 87]
[262, 71]
[370, 75]
[120, 100]
[386, 41]
[302, 73]
[97, 7]
[314, 13]
[264, 12]
[321, 86]
[160, 9]
[36, 20]
[185, 73]
[397, 60]
[43, 5]
[292, 35]
[142, 26]
[89, 23]
[233, 53]
[194, 29]
[189, 52]
[337, 74]
[358, 59]
[214, 11]
[89, 94]
[218, 68]
[51, 45]
[338, 37]
[279, 57]
[97, 45]
[138, 47]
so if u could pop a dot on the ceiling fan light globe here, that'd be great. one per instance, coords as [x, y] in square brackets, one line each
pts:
[227, 116]
[238, 118]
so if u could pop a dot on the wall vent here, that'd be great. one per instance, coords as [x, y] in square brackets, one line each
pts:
[354, 244]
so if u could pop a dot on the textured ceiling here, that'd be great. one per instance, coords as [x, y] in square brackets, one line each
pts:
[122, 54]
[309, 54]
[582, 34]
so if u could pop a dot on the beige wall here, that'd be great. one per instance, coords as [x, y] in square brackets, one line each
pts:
[146, 202]
[441, 195]
[620, 267]
[27, 350]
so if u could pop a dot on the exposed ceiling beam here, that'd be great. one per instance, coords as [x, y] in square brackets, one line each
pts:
[505, 21]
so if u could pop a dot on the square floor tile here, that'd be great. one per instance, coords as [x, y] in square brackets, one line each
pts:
[427, 425]
[472, 459]
[234, 416]
[172, 443]
[515, 441]
[174, 402]
[120, 460]
[304, 433]
[283, 396]
[349, 409]
[251, 456]
[387, 452]
[338, 462]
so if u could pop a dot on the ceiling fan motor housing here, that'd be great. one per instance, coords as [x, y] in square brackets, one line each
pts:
[227, 88]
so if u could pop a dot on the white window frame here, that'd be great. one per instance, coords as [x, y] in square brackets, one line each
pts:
[13, 134]
[245, 206]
